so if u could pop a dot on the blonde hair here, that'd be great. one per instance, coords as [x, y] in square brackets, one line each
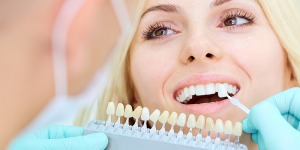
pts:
[281, 14]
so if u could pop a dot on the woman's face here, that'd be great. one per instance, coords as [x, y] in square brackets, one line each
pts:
[179, 44]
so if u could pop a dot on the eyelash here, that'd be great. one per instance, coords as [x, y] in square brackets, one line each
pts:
[148, 34]
[240, 14]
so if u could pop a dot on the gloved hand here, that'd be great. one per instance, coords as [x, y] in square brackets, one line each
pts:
[60, 138]
[274, 123]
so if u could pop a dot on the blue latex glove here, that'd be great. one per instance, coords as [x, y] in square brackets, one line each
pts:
[274, 123]
[61, 138]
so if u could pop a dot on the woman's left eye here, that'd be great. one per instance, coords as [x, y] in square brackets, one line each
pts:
[235, 21]
[162, 32]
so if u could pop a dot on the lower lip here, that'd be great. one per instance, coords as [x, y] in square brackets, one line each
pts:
[205, 108]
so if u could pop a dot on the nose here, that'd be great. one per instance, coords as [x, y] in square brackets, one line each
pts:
[201, 48]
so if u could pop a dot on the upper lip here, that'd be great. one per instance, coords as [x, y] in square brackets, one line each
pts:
[204, 79]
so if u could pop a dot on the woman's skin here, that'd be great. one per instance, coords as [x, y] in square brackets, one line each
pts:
[248, 55]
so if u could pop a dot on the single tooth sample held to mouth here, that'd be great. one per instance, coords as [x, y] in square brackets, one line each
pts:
[119, 113]
[234, 101]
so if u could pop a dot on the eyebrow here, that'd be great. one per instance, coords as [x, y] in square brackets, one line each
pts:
[162, 7]
[174, 9]
[219, 2]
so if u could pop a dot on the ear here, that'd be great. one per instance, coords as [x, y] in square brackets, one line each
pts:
[293, 79]
[91, 37]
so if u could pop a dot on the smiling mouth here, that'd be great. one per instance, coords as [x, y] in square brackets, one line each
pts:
[204, 94]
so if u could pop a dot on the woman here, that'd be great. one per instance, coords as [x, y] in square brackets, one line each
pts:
[251, 45]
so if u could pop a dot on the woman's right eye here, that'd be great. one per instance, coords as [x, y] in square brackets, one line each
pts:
[162, 32]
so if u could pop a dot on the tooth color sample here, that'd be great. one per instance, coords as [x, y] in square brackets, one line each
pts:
[128, 111]
[200, 122]
[164, 117]
[181, 120]
[173, 118]
[137, 112]
[155, 115]
[110, 108]
[219, 126]
[228, 127]
[191, 123]
[145, 114]
[237, 130]
[209, 124]
[120, 110]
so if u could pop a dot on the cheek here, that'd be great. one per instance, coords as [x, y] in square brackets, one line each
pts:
[150, 68]
[263, 60]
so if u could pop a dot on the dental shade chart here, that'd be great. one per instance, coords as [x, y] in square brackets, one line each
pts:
[161, 139]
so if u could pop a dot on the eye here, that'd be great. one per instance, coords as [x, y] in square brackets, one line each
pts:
[162, 32]
[235, 21]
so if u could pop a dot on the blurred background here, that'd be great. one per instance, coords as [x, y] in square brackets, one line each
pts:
[26, 67]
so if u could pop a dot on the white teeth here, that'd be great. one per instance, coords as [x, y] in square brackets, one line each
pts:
[210, 89]
[200, 122]
[183, 95]
[200, 90]
[137, 112]
[226, 85]
[209, 124]
[222, 91]
[219, 126]
[191, 123]
[234, 90]
[145, 114]
[120, 110]
[110, 108]
[230, 88]
[217, 86]
[164, 117]
[228, 127]
[237, 130]
[181, 120]
[192, 90]
[186, 92]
